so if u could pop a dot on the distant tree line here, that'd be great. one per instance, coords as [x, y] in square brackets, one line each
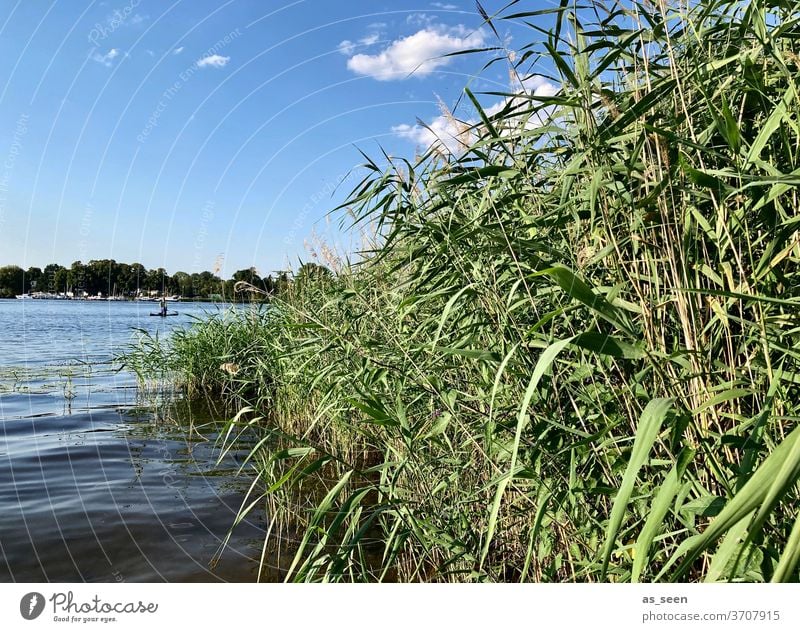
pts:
[110, 278]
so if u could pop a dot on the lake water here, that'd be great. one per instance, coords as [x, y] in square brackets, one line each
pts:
[96, 483]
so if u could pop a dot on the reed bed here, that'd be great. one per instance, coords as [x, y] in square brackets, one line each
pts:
[572, 354]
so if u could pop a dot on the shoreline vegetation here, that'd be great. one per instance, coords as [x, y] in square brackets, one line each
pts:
[109, 279]
[570, 352]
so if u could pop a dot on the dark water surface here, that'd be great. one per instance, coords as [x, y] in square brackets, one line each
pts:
[97, 484]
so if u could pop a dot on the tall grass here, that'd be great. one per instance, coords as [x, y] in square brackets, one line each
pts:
[573, 354]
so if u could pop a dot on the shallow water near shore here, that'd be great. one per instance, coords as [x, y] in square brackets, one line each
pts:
[96, 482]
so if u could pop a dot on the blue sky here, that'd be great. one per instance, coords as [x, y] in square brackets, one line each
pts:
[198, 135]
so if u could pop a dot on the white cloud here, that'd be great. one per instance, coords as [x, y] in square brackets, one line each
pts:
[539, 85]
[213, 61]
[106, 59]
[420, 54]
[446, 132]
[178, 50]
[369, 40]
[346, 47]
[453, 136]
[443, 6]
[139, 18]
[536, 86]
[420, 19]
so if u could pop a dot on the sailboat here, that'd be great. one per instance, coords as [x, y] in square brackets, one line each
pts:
[113, 296]
[24, 294]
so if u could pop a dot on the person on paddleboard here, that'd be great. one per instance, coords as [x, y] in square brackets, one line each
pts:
[163, 305]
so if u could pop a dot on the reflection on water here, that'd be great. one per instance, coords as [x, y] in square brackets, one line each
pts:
[94, 486]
